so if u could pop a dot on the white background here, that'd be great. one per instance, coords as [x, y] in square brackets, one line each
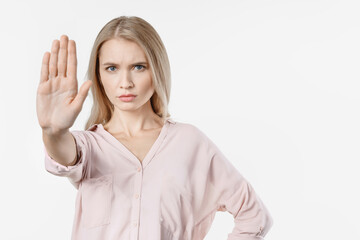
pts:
[275, 84]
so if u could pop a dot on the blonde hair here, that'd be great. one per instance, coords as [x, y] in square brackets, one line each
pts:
[141, 32]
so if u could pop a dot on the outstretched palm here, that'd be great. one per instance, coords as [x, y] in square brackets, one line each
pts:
[58, 102]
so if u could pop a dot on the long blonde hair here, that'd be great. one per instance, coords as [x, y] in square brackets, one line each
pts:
[138, 30]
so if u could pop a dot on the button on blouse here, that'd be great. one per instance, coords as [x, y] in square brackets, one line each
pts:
[173, 194]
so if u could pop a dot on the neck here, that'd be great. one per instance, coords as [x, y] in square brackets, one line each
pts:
[134, 122]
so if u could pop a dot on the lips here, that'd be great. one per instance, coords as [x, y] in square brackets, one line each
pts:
[130, 98]
[128, 95]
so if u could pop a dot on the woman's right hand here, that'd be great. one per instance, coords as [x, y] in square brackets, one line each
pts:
[58, 102]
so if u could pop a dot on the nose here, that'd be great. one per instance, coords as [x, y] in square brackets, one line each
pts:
[125, 80]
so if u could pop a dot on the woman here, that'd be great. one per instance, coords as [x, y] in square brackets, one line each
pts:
[139, 174]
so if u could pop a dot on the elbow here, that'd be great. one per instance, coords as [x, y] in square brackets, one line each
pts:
[266, 224]
[255, 228]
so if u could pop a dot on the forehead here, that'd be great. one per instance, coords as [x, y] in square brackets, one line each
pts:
[119, 49]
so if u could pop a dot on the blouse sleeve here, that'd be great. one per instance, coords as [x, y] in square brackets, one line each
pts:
[234, 194]
[76, 172]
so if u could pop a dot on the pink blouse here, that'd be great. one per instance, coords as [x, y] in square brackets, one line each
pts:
[173, 194]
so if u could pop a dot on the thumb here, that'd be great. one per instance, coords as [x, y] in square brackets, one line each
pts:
[82, 94]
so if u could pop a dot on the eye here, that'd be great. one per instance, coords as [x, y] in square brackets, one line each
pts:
[143, 67]
[110, 67]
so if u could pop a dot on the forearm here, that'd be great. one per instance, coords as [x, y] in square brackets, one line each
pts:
[61, 147]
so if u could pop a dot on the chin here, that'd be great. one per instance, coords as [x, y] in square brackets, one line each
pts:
[126, 107]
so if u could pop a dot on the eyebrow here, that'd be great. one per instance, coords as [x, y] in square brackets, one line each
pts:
[115, 64]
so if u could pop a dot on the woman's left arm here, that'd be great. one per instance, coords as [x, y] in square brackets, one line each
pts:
[233, 193]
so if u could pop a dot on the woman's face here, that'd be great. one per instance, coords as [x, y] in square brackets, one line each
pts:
[124, 69]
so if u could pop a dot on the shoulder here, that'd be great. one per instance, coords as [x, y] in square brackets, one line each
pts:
[192, 136]
[190, 131]
[88, 134]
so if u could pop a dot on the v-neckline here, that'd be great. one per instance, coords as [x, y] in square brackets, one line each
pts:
[149, 155]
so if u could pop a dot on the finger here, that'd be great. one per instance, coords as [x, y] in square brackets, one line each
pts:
[62, 56]
[71, 61]
[82, 94]
[53, 59]
[44, 75]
